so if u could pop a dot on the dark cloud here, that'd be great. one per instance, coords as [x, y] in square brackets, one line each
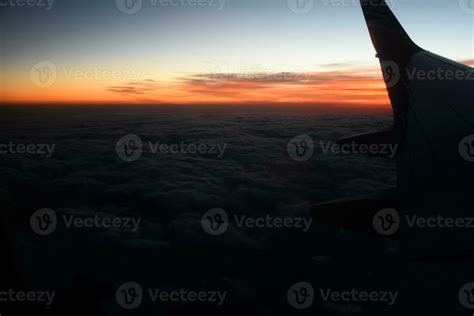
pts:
[362, 86]
[136, 87]
[170, 192]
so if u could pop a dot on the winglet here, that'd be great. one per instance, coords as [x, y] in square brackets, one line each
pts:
[394, 50]
[388, 36]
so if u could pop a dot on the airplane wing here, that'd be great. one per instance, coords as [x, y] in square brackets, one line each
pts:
[433, 104]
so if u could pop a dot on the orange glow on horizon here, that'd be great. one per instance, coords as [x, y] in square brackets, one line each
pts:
[351, 87]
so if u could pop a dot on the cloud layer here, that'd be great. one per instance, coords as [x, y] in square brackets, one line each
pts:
[170, 193]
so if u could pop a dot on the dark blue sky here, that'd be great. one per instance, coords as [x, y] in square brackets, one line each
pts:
[166, 39]
[256, 32]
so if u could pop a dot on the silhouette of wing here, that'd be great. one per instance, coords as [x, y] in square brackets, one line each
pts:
[433, 104]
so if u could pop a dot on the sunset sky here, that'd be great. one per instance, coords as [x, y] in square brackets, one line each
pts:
[232, 52]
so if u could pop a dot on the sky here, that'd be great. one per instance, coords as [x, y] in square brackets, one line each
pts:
[210, 51]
